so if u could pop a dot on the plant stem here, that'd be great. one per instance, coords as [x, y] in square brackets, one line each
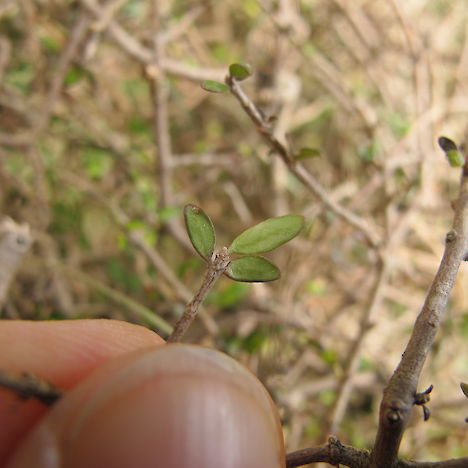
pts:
[306, 177]
[217, 266]
[399, 395]
[28, 386]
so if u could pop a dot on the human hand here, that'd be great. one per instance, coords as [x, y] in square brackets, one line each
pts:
[130, 402]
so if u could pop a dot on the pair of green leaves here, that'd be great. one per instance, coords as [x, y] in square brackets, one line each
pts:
[260, 238]
[239, 71]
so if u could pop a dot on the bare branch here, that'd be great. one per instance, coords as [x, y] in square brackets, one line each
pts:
[345, 384]
[216, 267]
[134, 48]
[160, 95]
[160, 92]
[298, 169]
[28, 386]
[399, 396]
[182, 25]
[334, 453]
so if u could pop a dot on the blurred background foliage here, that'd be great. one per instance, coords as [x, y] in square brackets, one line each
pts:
[89, 91]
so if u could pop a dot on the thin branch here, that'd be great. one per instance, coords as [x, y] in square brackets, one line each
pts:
[191, 72]
[334, 453]
[216, 267]
[202, 159]
[135, 49]
[50, 254]
[345, 385]
[41, 196]
[326, 74]
[28, 138]
[138, 239]
[28, 386]
[106, 14]
[398, 399]
[298, 169]
[76, 36]
[182, 25]
[160, 94]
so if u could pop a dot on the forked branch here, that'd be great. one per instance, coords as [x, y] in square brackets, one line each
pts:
[399, 396]
[401, 393]
[306, 177]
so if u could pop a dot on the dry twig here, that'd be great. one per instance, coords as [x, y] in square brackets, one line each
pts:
[28, 386]
[160, 94]
[134, 48]
[400, 393]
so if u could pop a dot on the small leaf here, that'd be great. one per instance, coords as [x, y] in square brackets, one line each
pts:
[200, 230]
[307, 153]
[267, 235]
[464, 387]
[240, 71]
[214, 86]
[252, 269]
[447, 144]
[455, 158]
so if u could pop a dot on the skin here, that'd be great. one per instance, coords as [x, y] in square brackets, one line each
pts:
[62, 352]
[130, 401]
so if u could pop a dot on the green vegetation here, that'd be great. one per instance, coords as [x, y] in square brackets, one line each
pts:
[102, 144]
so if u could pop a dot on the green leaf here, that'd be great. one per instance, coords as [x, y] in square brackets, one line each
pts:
[240, 71]
[214, 86]
[464, 388]
[455, 158]
[307, 153]
[252, 269]
[267, 235]
[200, 230]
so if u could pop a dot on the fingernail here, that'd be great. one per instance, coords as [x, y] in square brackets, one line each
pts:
[175, 407]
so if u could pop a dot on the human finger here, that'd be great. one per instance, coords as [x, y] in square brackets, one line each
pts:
[176, 406]
[62, 352]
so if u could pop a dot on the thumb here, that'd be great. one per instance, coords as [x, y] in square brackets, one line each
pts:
[177, 406]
